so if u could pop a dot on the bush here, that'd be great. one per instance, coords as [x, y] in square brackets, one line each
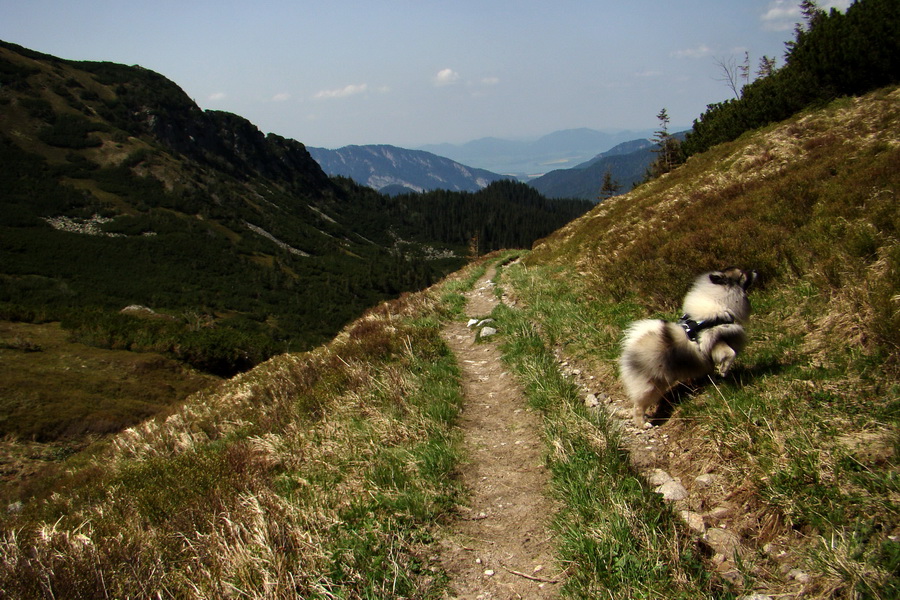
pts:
[71, 131]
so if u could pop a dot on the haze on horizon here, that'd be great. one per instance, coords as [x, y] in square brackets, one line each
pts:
[410, 73]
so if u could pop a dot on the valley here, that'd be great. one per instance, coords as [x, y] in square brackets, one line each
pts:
[294, 402]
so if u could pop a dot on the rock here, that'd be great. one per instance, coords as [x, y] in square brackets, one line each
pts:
[755, 597]
[489, 572]
[672, 490]
[798, 576]
[484, 322]
[706, 480]
[472, 322]
[720, 512]
[659, 477]
[487, 332]
[591, 400]
[693, 520]
[722, 541]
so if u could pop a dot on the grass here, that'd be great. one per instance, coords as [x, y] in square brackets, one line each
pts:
[804, 432]
[617, 538]
[316, 475]
[805, 435]
[323, 474]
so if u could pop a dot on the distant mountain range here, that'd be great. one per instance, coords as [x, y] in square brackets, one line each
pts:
[533, 158]
[627, 164]
[394, 170]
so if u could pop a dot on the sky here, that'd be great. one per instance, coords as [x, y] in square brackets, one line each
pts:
[330, 73]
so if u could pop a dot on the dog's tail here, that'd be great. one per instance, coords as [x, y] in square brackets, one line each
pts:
[661, 351]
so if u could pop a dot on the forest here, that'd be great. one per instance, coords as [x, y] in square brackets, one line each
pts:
[237, 241]
[834, 54]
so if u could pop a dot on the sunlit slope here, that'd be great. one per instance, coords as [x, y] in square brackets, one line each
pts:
[802, 438]
[812, 198]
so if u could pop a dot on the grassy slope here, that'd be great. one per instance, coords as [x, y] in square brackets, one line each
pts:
[321, 474]
[804, 434]
[315, 475]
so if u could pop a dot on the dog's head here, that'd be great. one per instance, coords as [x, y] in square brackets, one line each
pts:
[720, 294]
[733, 276]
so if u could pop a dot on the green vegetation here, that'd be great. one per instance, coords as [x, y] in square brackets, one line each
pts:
[323, 474]
[836, 54]
[805, 431]
[316, 475]
[117, 190]
[617, 537]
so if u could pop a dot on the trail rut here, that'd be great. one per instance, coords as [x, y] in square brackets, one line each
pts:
[500, 545]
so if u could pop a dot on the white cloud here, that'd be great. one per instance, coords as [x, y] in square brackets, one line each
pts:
[697, 52]
[281, 97]
[782, 15]
[446, 77]
[217, 96]
[349, 90]
[490, 81]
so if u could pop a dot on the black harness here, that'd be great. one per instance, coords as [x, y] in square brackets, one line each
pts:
[693, 328]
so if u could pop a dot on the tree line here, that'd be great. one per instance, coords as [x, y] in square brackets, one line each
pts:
[833, 54]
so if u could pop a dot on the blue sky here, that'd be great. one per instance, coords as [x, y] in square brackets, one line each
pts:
[336, 72]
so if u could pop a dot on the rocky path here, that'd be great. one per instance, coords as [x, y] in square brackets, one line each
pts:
[500, 546]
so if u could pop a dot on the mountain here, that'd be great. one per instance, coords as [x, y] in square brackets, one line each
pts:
[117, 190]
[349, 471]
[627, 164]
[532, 158]
[336, 472]
[398, 170]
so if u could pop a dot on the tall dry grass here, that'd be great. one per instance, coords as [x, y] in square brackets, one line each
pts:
[315, 475]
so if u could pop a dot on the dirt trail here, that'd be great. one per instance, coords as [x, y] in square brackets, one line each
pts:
[500, 546]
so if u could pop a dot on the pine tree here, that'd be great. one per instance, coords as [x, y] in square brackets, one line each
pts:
[667, 148]
[609, 188]
[766, 67]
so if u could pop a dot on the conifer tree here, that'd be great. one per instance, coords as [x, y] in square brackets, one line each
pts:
[667, 147]
[609, 188]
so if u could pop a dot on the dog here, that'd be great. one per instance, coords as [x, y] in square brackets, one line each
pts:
[657, 354]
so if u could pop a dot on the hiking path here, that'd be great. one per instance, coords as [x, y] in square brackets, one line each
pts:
[500, 545]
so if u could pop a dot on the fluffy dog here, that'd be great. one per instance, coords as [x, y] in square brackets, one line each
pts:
[656, 354]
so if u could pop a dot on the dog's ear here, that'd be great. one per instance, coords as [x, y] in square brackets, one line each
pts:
[718, 278]
[748, 279]
[733, 276]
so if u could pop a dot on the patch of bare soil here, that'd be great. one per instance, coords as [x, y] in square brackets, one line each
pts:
[500, 546]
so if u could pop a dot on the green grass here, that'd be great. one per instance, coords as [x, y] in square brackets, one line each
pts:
[315, 475]
[617, 538]
[806, 425]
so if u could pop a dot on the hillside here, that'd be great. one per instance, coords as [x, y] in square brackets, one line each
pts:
[118, 190]
[394, 170]
[333, 473]
[795, 454]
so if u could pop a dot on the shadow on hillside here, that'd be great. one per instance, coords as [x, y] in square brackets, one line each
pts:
[739, 377]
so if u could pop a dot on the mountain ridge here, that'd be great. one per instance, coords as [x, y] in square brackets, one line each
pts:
[530, 158]
[202, 213]
[382, 166]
